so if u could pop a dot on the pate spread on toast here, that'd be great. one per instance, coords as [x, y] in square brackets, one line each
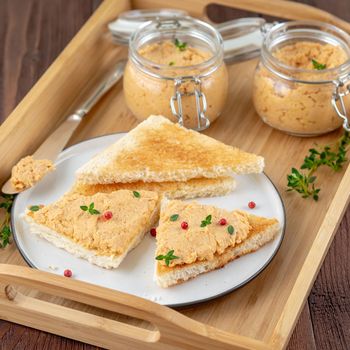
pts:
[204, 247]
[80, 222]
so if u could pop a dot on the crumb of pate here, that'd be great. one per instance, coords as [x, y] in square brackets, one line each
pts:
[28, 171]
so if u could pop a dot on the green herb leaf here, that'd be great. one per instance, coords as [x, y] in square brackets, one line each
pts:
[5, 235]
[317, 65]
[5, 229]
[34, 208]
[168, 257]
[332, 156]
[230, 229]
[90, 209]
[180, 44]
[136, 194]
[206, 221]
[174, 217]
[171, 63]
[6, 205]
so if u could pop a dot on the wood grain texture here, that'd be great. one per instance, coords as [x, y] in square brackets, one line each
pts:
[330, 297]
[33, 35]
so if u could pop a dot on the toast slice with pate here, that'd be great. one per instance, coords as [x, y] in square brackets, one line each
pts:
[158, 150]
[193, 188]
[101, 228]
[193, 239]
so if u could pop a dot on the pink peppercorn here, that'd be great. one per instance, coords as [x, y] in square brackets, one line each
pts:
[222, 222]
[251, 205]
[67, 273]
[184, 225]
[153, 232]
[108, 215]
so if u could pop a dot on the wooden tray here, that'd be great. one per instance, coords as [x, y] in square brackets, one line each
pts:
[260, 315]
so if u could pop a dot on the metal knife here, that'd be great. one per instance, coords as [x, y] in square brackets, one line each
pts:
[54, 144]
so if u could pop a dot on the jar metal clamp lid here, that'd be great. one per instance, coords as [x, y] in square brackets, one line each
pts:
[176, 100]
[342, 89]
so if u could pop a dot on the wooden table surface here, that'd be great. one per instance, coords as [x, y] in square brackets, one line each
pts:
[32, 34]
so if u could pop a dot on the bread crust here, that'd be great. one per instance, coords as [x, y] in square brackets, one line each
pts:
[193, 188]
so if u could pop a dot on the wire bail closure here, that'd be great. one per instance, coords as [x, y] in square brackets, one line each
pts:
[341, 90]
[167, 23]
[201, 103]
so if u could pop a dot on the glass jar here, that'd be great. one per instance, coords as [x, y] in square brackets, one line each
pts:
[191, 91]
[302, 78]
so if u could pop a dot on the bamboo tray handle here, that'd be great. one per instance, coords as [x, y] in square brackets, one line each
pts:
[276, 8]
[101, 331]
[289, 10]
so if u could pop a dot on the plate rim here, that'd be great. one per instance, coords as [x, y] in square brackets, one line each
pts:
[178, 305]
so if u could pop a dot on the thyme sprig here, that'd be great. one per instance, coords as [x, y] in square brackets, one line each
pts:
[206, 221]
[334, 157]
[181, 45]
[90, 209]
[303, 184]
[5, 229]
[317, 65]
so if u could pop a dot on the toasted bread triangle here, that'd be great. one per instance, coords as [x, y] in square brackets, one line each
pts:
[158, 150]
[72, 224]
[255, 232]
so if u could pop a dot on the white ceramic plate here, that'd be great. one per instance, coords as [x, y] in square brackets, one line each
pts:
[135, 274]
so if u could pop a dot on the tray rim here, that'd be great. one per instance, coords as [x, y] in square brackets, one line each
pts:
[197, 302]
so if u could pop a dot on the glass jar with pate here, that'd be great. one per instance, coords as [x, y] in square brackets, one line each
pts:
[176, 69]
[302, 78]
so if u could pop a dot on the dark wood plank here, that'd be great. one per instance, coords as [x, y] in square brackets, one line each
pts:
[32, 34]
[303, 336]
[18, 337]
[330, 297]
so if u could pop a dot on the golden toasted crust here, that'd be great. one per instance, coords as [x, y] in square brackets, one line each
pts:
[201, 187]
[259, 224]
[158, 150]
